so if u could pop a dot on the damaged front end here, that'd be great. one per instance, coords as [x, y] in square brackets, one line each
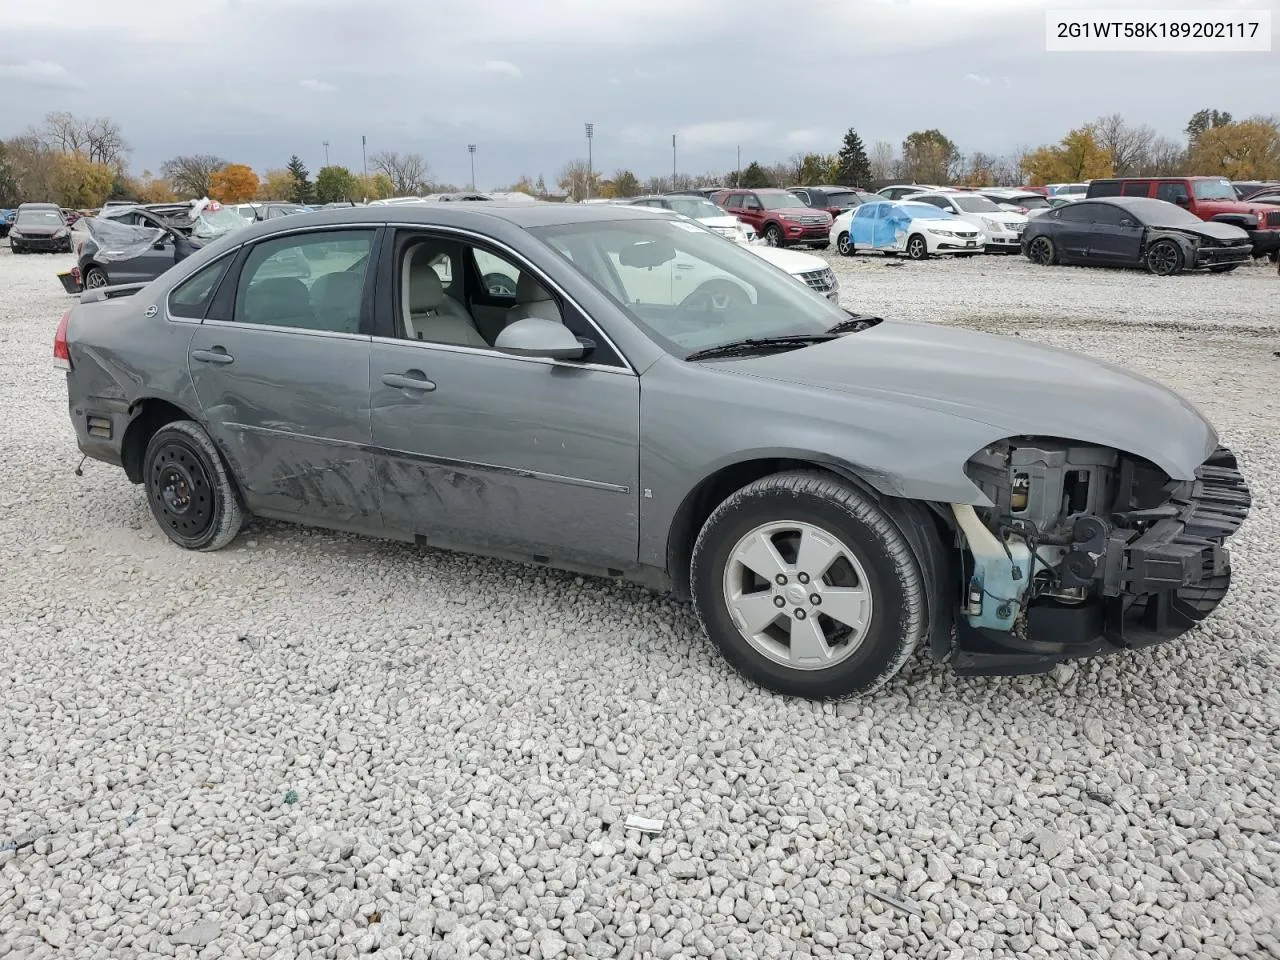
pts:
[1087, 550]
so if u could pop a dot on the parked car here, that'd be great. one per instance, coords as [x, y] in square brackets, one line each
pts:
[1063, 199]
[831, 490]
[834, 200]
[781, 218]
[706, 192]
[697, 207]
[39, 228]
[269, 210]
[1249, 189]
[135, 244]
[1001, 228]
[1025, 202]
[899, 190]
[6, 221]
[919, 230]
[1135, 232]
[1209, 198]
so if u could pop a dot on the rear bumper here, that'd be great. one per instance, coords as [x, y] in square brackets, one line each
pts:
[1155, 586]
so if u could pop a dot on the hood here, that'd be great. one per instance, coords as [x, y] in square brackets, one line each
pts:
[1209, 228]
[792, 261]
[728, 221]
[1016, 388]
[38, 229]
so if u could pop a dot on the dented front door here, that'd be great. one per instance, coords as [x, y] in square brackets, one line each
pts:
[506, 455]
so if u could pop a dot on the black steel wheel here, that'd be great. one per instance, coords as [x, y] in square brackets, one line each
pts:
[188, 488]
[1164, 259]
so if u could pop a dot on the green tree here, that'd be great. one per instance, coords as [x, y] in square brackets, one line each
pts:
[375, 186]
[9, 196]
[336, 183]
[755, 176]
[853, 165]
[626, 184]
[928, 156]
[814, 169]
[301, 189]
[1205, 119]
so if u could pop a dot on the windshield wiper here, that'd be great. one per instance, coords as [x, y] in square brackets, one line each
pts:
[856, 323]
[760, 345]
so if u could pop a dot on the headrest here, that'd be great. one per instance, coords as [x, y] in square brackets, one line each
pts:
[426, 292]
[278, 296]
[529, 290]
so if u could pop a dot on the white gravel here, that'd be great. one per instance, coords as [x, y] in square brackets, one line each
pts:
[312, 745]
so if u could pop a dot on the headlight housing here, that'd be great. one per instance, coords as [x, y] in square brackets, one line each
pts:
[938, 231]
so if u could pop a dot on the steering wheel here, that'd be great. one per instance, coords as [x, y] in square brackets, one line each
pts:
[499, 284]
[715, 296]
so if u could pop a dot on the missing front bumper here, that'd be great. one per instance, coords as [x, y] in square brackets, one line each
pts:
[1155, 587]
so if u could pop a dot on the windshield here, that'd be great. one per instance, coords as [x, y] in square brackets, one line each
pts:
[777, 201]
[214, 223]
[32, 218]
[1213, 190]
[687, 288]
[695, 207]
[924, 211]
[1158, 213]
[975, 204]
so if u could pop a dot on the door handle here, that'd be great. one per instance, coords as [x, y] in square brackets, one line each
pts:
[216, 355]
[411, 380]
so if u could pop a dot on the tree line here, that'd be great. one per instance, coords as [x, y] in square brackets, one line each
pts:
[81, 162]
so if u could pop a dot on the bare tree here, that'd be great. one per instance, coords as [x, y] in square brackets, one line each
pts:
[1165, 158]
[190, 175]
[98, 139]
[408, 172]
[106, 143]
[579, 180]
[1129, 146]
[883, 161]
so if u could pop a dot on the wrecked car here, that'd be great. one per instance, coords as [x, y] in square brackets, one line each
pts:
[131, 244]
[830, 490]
[918, 230]
[1135, 232]
[39, 228]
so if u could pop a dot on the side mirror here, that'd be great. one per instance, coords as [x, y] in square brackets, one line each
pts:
[536, 337]
[1126, 222]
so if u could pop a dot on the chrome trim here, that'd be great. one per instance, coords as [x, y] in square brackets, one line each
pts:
[302, 331]
[521, 259]
[437, 461]
[491, 352]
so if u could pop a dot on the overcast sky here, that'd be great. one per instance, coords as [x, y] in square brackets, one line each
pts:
[257, 80]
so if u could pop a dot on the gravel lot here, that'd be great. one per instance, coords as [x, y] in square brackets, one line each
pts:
[314, 745]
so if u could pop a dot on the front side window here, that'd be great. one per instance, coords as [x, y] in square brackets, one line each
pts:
[312, 281]
[734, 202]
[1172, 192]
[1213, 190]
[685, 287]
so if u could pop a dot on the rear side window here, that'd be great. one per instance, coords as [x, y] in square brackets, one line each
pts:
[191, 298]
[1076, 212]
[1104, 188]
[312, 281]
[733, 202]
[1139, 188]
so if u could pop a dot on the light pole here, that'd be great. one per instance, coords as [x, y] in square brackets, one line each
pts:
[591, 129]
[673, 161]
[364, 158]
[471, 149]
[326, 153]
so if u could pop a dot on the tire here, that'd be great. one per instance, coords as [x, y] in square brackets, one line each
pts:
[773, 236]
[1164, 258]
[870, 552]
[917, 248]
[189, 490]
[1042, 252]
[15, 248]
[844, 246]
[821, 246]
[1223, 268]
[95, 277]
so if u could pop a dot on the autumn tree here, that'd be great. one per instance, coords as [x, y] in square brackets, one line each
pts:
[854, 166]
[1248, 150]
[150, 189]
[335, 183]
[374, 186]
[234, 183]
[9, 195]
[579, 180]
[300, 188]
[1203, 120]
[79, 182]
[755, 177]
[979, 170]
[190, 175]
[1077, 157]
[928, 156]
[275, 185]
[523, 185]
[408, 172]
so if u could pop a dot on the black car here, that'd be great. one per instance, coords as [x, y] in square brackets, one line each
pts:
[40, 227]
[1134, 232]
[834, 200]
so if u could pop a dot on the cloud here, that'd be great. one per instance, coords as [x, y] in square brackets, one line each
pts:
[503, 66]
[974, 78]
[807, 137]
[39, 73]
[317, 86]
[722, 133]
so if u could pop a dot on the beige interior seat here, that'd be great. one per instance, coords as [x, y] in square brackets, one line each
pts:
[429, 312]
[533, 300]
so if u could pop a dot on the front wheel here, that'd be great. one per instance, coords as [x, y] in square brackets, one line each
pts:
[773, 235]
[807, 587]
[189, 489]
[917, 249]
[1164, 259]
[844, 245]
[1042, 252]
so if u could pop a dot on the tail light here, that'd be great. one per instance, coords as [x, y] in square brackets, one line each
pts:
[61, 355]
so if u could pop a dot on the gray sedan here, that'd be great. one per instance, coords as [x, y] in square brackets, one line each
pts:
[606, 390]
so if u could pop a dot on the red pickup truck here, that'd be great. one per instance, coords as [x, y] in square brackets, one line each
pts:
[1209, 198]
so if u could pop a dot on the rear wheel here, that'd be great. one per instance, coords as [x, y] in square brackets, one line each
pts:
[95, 277]
[1042, 252]
[844, 245]
[917, 249]
[189, 489]
[807, 587]
[1164, 259]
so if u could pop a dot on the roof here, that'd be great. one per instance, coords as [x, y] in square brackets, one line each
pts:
[524, 215]
[38, 205]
